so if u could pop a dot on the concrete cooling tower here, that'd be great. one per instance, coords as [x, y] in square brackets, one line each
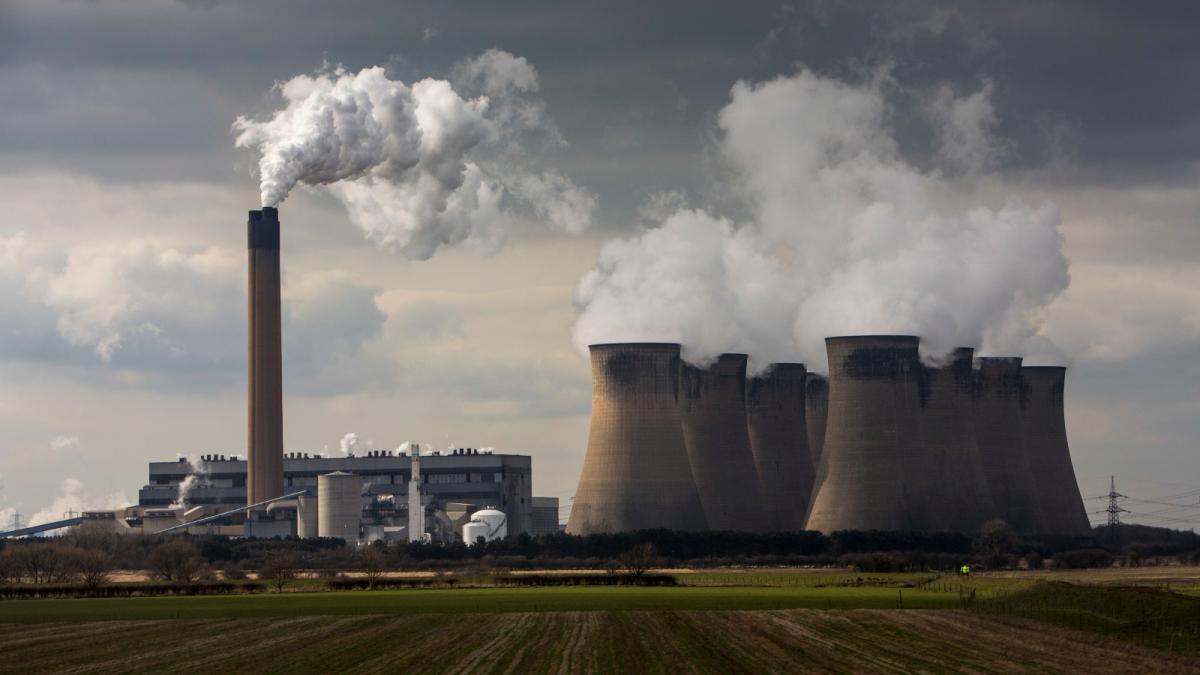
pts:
[816, 407]
[779, 441]
[264, 466]
[635, 473]
[871, 465]
[955, 487]
[1001, 440]
[1045, 428]
[713, 403]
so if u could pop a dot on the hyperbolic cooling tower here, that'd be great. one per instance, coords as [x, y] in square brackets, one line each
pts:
[264, 466]
[1045, 427]
[635, 474]
[871, 466]
[1001, 440]
[713, 402]
[779, 440]
[816, 408]
[955, 485]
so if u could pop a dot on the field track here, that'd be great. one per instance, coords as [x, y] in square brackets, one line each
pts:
[558, 642]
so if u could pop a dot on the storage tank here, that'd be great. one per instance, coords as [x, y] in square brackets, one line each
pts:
[955, 486]
[871, 469]
[306, 517]
[713, 406]
[816, 408]
[339, 506]
[779, 441]
[635, 473]
[1001, 440]
[488, 523]
[1063, 511]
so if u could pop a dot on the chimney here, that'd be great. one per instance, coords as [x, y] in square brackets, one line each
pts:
[869, 475]
[956, 489]
[264, 466]
[816, 408]
[1049, 455]
[713, 405]
[779, 441]
[1001, 440]
[635, 473]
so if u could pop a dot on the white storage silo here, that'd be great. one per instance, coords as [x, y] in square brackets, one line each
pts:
[339, 506]
[487, 523]
[306, 517]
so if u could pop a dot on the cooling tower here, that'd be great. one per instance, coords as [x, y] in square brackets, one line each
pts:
[871, 470]
[635, 474]
[956, 489]
[779, 441]
[816, 407]
[264, 467]
[1001, 441]
[339, 506]
[1045, 428]
[713, 404]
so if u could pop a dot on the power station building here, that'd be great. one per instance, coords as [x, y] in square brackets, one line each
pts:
[466, 476]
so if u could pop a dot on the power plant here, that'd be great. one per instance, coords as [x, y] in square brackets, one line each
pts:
[885, 442]
[636, 473]
[713, 414]
[779, 435]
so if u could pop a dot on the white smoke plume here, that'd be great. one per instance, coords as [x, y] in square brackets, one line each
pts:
[844, 237]
[350, 444]
[73, 498]
[197, 476]
[422, 166]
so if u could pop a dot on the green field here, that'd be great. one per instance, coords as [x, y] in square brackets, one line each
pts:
[486, 600]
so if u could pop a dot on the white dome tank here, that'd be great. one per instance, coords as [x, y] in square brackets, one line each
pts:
[339, 506]
[487, 523]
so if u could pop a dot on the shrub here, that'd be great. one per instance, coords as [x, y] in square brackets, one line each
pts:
[176, 561]
[233, 571]
[94, 567]
[279, 569]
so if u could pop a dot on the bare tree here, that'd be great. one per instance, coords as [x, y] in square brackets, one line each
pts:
[373, 563]
[639, 560]
[9, 574]
[279, 569]
[177, 561]
[94, 566]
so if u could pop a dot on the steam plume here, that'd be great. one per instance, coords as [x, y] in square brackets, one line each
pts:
[197, 475]
[420, 166]
[844, 236]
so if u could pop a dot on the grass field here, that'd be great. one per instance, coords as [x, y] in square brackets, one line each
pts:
[481, 600]
[553, 642]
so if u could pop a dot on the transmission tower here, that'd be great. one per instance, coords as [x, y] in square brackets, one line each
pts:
[1114, 510]
[16, 520]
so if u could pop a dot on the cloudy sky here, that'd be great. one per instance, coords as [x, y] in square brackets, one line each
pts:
[1019, 176]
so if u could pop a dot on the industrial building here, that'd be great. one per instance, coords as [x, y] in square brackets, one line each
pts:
[636, 473]
[891, 443]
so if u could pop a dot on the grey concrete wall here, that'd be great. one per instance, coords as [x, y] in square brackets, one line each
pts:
[635, 473]
[1000, 435]
[779, 441]
[871, 461]
[713, 405]
[1043, 417]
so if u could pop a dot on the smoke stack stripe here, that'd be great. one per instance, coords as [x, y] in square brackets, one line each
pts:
[998, 429]
[871, 462]
[955, 484]
[635, 473]
[264, 467]
[816, 410]
[779, 441]
[1045, 428]
[713, 402]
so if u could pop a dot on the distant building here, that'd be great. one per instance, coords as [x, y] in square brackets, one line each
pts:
[467, 476]
[545, 516]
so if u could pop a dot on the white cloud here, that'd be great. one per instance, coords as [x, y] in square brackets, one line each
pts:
[74, 498]
[64, 442]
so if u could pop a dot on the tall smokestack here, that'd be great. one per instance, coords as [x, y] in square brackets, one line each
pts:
[713, 402]
[957, 490]
[1045, 428]
[1001, 440]
[779, 440]
[264, 468]
[635, 474]
[816, 409]
[871, 467]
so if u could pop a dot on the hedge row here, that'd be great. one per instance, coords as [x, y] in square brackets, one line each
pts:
[361, 583]
[129, 590]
